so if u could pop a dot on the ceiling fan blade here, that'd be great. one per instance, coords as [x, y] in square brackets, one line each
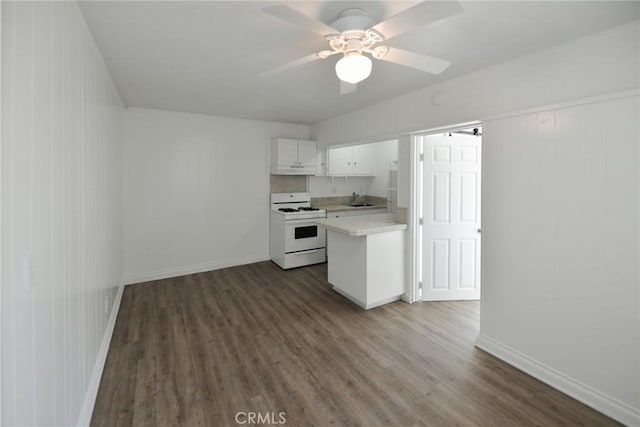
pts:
[416, 60]
[289, 65]
[416, 16]
[294, 17]
[346, 88]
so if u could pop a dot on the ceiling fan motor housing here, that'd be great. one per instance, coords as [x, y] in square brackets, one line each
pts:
[352, 46]
[356, 35]
[353, 19]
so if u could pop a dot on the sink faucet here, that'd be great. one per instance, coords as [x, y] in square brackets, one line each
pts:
[354, 198]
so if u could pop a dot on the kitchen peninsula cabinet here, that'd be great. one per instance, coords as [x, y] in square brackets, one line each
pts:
[366, 260]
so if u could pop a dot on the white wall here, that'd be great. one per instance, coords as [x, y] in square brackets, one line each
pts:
[196, 191]
[61, 211]
[560, 249]
[600, 64]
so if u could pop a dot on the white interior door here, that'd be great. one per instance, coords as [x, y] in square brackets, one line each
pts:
[450, 267]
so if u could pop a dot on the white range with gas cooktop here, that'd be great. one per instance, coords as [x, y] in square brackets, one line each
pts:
[295, 239]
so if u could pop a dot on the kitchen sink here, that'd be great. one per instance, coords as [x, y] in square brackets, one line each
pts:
[360, 205]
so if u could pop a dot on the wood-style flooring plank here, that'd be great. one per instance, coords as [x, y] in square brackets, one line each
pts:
[198, 349]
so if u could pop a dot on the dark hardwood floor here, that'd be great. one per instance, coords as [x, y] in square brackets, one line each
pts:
[198, 349]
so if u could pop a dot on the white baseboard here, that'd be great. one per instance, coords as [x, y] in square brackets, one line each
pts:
[191, 269]
[599, 401]
[94, 382]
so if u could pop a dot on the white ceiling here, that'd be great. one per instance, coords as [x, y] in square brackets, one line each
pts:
[205, 57]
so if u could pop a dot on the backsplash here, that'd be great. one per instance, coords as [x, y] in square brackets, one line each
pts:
[326, 186]
[346, 200]
[288, 183]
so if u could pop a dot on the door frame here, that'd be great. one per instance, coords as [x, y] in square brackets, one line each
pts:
[1, 149]
[415, 204]
[1, 145]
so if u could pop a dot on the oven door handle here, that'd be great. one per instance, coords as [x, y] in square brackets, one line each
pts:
[301, 221]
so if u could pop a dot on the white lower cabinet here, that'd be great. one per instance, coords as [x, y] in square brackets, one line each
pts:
[368, 270]
[361, 212]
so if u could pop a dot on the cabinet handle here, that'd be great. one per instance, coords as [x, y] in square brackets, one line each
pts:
[355, 163]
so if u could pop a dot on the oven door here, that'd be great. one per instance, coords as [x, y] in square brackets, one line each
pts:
[302, 235]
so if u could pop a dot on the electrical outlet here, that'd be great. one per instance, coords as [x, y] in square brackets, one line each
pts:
[106, 305]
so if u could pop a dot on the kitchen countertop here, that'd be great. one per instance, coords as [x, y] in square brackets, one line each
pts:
[362, 225]
[337, 208]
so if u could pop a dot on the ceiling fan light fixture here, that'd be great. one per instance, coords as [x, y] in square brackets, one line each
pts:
[353, 68]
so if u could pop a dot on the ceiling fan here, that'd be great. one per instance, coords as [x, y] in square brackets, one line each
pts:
[355, 35]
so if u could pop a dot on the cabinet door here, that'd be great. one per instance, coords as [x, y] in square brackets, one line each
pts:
[340, 161]
[363, 160]
[307, 153]
[287, 152]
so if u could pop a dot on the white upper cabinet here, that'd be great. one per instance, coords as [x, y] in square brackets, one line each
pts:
[363, 160]
[340, 161]
[286, 151]
[351, 161]
[293, 157]
[307, 153]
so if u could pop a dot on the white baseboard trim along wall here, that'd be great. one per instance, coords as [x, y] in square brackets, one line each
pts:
[599, 401]
[94, 382]
[191, 269]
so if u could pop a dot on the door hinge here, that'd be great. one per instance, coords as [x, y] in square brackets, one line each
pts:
[422, 157]
[421, 221]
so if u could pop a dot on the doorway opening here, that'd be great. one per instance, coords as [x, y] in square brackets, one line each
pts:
[447, 213]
